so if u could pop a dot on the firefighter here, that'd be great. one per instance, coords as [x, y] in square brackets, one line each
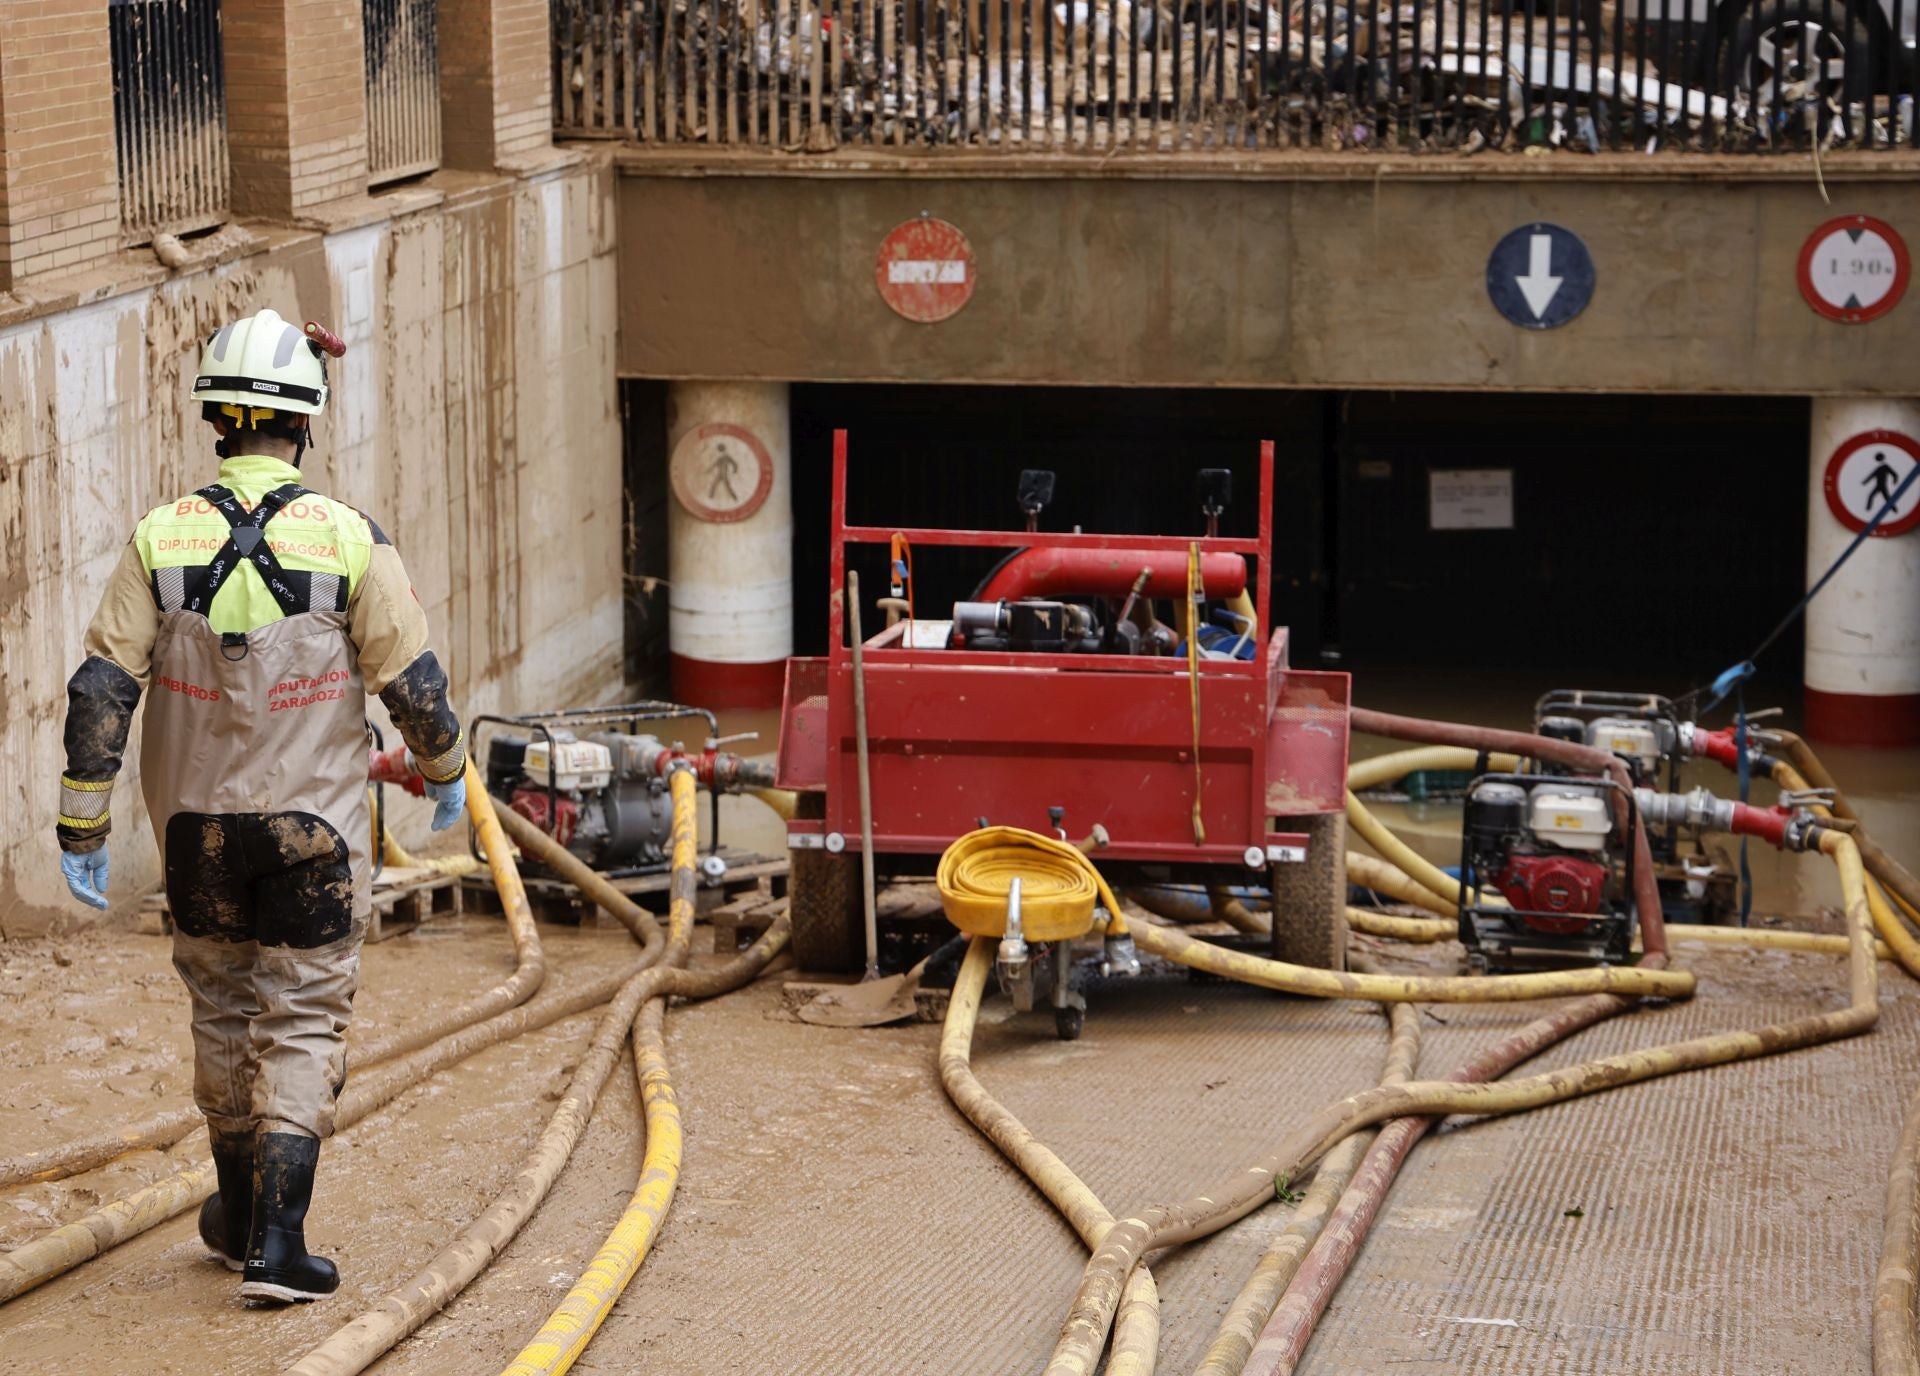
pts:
[256, 615]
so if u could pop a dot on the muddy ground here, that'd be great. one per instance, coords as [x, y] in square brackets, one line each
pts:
[837, 1216]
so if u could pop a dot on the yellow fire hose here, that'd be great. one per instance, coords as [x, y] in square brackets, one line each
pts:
[1136, 1336]
[1397, 884]
[1161, 1226]
[578, 1317]
[358, 1344]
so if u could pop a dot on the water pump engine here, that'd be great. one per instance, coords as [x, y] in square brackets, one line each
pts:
[604, 795]
[1539, 873]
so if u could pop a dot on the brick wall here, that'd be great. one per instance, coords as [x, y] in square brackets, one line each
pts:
[59, 202]
[296, 103]
[495, 81]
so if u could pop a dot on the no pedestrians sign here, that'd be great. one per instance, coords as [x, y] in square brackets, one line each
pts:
[1869, 471]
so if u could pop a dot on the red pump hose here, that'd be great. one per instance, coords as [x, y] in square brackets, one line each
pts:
[1110, 573]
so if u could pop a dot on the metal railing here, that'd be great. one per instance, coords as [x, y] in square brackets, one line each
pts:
[1228, 75]
[403, 88]
[169, 115]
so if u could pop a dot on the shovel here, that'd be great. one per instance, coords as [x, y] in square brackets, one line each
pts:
[870, 1003]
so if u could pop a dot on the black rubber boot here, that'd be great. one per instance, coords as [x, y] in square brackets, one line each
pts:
[227, 1215]
[279, 1271]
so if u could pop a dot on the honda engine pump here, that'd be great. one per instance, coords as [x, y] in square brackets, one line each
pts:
[1540, 878]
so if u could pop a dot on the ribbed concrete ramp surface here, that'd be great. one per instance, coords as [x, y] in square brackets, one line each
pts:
[837, 1216]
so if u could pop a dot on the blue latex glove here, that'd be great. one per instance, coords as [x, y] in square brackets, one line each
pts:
[86, 876]
[449, 802]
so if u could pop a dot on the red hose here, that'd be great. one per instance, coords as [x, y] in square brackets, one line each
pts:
[1646, 884]
[1286, 1334]
[1110, 573]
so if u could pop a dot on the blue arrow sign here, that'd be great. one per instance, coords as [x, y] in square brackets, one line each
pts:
[1540, 276]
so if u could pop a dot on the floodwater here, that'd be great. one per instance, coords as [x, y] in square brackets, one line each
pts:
[1883, 785]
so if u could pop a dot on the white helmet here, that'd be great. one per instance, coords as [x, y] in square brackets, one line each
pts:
[264, 363]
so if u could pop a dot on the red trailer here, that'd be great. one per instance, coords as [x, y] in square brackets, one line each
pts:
[1052, 702]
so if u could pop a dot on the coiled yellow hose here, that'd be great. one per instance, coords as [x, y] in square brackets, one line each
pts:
[1058, 885]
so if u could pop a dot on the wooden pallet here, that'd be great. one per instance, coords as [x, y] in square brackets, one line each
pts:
[555, 900]
[405, 898]
[740, 923]
[402, 900]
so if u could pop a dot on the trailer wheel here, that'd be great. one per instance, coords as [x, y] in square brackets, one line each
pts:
[1310, 898]
[829, 928]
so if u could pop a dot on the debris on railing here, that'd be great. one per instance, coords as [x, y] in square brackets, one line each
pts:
[1170, 75]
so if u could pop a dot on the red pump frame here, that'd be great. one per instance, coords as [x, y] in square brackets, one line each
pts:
[956, 735]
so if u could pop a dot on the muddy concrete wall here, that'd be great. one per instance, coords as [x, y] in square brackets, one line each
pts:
[1107, 279]
[475, 417]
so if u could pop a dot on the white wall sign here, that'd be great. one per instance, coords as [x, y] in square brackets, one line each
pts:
[1471, 498]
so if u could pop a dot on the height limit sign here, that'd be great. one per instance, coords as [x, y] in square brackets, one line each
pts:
[924, 270]
[1854, 269]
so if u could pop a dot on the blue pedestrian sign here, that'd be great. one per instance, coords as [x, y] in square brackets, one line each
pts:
[1540, 276]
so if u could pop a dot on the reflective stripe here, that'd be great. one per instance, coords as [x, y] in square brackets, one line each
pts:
[259, 386]
[170, 588]
[444, 769]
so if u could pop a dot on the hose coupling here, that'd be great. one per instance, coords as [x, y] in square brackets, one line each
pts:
[1699, 810]
[1013, 945]
[1119, 957]
[1802, 831]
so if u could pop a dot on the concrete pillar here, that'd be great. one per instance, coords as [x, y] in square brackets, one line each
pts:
[296, 103]
[59, 192]
[1863, 630]
[496, 82]
[729, 542]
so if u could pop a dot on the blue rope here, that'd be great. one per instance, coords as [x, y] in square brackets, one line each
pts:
[1731, 678]
[1745, 760]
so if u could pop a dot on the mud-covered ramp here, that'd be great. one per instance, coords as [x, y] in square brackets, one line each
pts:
[836, 1215]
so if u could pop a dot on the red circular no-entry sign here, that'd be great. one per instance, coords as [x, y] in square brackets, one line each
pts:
[925, 270]
[1865, 472]
[1854, 269]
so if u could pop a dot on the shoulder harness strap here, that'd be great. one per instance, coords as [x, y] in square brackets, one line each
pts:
[296, 591]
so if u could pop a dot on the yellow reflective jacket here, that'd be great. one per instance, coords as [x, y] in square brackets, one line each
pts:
[313, 537]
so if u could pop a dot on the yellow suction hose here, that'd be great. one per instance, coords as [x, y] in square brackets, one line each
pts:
[1233, 1341]
[571, 1326]
[1136, 1330]
[403, 1310]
